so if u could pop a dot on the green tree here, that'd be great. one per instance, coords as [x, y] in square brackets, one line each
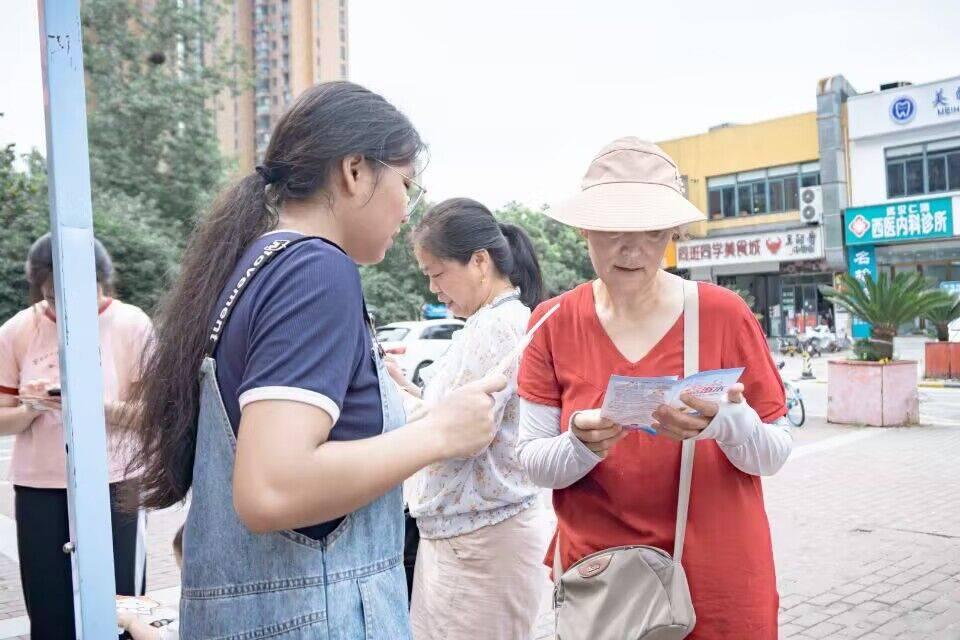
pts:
[144, 259]
[941, 317]
[23, 211]
[561, 250]
[397, 290]
[142, 256]
[152, 80]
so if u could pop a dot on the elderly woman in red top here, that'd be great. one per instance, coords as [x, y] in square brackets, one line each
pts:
[617, 487]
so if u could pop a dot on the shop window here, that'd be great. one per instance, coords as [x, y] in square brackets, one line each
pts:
[715, 203]
[791, 194]
[729, 195]
[933, 167]
[745, 200]
[937, 174]
[914, 169]
[776, 196]
[759, 191]
[810, 179]
[953, 171]
[896, 183]
[759, 197]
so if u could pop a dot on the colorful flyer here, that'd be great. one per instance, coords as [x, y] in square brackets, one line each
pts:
[630, 402]
[706, 385]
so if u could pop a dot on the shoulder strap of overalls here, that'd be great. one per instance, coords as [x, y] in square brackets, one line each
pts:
[691, 365]
[271, 251]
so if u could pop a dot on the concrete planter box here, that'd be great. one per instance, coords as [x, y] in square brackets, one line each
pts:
[873, 394]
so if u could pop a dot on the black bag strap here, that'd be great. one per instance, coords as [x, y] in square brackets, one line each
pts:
[265, 257]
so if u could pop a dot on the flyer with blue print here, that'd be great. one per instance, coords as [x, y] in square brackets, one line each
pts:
[631, 401]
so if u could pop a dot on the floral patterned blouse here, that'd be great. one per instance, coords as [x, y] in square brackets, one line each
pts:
[455, 497]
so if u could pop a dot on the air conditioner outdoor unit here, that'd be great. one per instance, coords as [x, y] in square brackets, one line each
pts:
[811, 205]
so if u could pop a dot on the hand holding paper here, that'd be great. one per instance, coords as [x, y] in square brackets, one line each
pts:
[681, 424]
[635, 402]
[595, 431]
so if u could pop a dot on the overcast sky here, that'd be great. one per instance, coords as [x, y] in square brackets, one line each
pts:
[514, 96]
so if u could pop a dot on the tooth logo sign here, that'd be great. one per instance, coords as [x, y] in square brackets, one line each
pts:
[903, 109]
[774, 245]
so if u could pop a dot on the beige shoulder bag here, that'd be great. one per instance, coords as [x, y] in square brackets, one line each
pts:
[635, 592]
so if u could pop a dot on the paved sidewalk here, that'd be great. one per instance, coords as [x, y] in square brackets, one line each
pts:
[866, 531]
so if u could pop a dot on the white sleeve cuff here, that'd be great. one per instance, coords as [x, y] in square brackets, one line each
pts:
[583, 453]
[294, 394]
[750, 445]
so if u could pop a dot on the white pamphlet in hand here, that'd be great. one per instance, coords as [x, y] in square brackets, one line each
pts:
[630, 402]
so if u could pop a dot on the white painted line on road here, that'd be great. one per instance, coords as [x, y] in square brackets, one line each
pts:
[8, 538]
[836, 441]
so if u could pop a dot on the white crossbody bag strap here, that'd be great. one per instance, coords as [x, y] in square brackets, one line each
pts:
[691, 365]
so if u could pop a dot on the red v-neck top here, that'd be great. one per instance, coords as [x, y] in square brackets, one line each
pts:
[631, 496]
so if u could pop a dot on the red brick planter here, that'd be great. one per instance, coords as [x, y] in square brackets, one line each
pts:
[942, 360]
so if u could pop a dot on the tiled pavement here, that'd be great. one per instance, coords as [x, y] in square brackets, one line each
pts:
[866, 526]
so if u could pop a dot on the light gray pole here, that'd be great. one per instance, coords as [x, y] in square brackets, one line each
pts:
[71, 219]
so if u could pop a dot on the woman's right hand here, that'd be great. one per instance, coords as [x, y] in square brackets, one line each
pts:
[464, 422]
[598, 433]
[33, 395]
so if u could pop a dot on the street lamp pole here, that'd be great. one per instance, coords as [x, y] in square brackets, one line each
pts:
[71, 218]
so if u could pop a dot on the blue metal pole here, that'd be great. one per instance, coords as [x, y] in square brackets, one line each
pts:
[71, 218]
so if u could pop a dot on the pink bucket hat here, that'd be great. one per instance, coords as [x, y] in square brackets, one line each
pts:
[631, 185]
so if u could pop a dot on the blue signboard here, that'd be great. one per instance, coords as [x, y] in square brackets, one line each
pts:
[435, 311]
[901, 222]
[861, 262]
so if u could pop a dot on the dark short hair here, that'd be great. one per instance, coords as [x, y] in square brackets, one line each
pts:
[39, 266]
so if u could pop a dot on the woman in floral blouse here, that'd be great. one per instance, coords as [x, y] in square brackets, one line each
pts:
[481, 537]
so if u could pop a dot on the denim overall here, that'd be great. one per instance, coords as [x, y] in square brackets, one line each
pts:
[240, 585]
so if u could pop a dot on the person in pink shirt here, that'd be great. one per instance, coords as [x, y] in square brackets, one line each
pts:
[30, 409]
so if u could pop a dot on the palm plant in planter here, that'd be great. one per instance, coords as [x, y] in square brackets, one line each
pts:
[874, 390]
[886, 304]
[941, 317]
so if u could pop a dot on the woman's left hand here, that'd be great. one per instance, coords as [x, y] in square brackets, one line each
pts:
[396, 372]
[678, 425]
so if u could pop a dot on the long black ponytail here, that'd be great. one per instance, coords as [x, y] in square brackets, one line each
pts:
[327, 123]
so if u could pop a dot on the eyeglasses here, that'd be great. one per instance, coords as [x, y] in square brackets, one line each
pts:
[414, 190]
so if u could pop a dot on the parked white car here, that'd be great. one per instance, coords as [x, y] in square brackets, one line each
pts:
[424, 340]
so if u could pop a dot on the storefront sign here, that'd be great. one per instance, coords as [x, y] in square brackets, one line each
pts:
[780, 246]
[861, 262]
[904, 108]
[902, 222]
[946, 100]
